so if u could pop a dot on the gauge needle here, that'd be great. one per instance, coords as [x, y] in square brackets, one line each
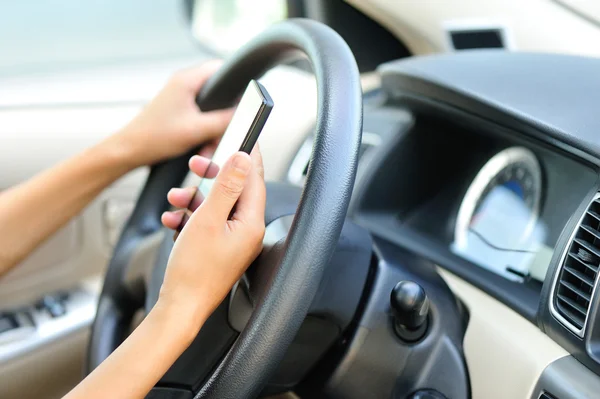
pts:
[482, 238]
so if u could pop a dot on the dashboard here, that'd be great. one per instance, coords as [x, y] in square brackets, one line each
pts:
[475, 195]
[481, 200]
[492, 176]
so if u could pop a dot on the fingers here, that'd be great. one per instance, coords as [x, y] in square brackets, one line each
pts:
[257, 160]
[212, 124]
[195, 77]
[173, 219]
[241, 182]
[208, 149]
[188, 197]
[250, 207]
[228, 187]
[203, 167]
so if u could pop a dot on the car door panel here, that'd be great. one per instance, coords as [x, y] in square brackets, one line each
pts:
[33, 140]
[48, 372]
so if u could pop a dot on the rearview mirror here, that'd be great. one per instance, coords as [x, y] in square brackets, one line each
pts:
[225, 25]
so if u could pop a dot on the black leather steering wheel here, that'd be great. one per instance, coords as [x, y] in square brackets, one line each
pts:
[296, 273]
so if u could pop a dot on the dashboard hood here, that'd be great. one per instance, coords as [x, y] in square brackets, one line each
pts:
[551, 97]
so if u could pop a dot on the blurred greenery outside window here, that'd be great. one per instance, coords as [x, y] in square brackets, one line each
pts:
[225, 25]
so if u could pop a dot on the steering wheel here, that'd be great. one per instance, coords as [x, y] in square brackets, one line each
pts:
[293, 275]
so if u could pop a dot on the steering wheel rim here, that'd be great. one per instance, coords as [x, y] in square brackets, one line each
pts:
[315, 230]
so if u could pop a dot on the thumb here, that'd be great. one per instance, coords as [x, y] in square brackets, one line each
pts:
[228, 186]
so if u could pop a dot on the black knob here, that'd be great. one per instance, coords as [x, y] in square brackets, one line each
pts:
[410, 307]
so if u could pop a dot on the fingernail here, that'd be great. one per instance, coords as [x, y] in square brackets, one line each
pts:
[175, 191]
[241, 162]
[192, 159]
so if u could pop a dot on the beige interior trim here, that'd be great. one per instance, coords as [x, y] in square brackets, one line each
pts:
[49, 372]
[422, 25]
[370, 81]
[505, 353]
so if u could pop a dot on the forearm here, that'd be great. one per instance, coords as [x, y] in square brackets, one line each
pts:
[136, 366]
[35, 209]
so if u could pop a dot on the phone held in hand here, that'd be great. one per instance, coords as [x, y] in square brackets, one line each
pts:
[242, 133]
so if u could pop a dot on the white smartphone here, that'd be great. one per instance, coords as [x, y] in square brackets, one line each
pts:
[243, 131]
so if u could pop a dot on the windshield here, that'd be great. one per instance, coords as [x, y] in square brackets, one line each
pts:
[62, 34]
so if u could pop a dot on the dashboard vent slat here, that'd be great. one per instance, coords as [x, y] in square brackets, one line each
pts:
[546, 395]
[573, 304]
[576, 290]
[575, 319]
[591, 230]
[582, 276]
[595, 215]
[587, 246]
[576, 279]
[593, 268]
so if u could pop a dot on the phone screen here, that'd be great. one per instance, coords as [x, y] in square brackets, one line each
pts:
[243, 130]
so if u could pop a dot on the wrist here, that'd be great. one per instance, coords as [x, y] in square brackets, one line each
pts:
[123, 150]
[188, 316]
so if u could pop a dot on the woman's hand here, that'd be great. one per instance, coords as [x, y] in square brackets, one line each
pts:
[172, 123]
[214, 250]
[210, 255]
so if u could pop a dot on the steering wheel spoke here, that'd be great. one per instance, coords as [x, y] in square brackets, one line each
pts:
[251, 287]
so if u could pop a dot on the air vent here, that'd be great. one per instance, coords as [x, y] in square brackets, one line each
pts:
[546, 395]
[576, 280]
[474, 39]
[467, 34]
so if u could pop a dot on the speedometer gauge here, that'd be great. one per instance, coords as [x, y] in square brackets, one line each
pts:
[496, 221]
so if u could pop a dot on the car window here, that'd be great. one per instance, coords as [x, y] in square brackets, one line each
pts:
[225, 25]
[48, 35]
[54, 35]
